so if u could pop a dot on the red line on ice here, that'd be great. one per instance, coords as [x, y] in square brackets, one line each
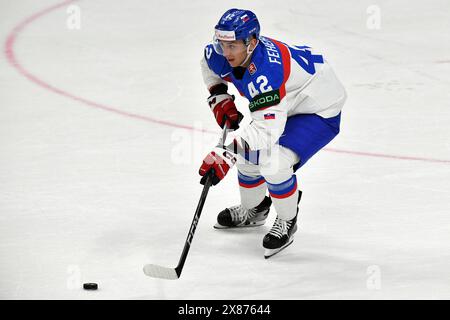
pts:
[11, 57]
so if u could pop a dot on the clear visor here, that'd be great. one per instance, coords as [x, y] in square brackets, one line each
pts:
[221, 46]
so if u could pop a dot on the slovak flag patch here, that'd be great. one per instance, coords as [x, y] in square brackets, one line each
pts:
[269, 116]
[252, 69]
[245, 18]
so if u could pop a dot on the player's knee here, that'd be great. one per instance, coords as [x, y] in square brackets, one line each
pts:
[248, 169]
[277, 166]
[276, 171]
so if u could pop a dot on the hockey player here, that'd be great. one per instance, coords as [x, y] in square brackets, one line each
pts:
[295, 105]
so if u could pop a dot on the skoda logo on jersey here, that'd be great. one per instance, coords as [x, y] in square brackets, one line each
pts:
[265, 100]
[252, 68]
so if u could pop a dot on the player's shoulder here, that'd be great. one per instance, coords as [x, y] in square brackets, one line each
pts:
[267, 63]
[216, 62]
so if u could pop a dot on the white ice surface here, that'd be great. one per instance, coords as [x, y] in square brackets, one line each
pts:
[89, 195]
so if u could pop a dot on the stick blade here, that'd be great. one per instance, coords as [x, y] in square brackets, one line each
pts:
[155, 271]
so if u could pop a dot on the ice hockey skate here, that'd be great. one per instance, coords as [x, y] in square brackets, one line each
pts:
[280, 235]
[239, 217]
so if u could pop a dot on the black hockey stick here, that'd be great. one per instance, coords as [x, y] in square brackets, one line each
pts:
[156, 271]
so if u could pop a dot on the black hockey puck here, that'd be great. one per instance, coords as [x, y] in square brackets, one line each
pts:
[90, 286]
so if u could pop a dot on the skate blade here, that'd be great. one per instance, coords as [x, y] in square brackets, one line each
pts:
[271, 252]
[253, 224]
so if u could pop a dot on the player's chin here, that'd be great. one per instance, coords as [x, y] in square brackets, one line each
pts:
[233, 63]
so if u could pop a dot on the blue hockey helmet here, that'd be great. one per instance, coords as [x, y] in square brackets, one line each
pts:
[237, 24]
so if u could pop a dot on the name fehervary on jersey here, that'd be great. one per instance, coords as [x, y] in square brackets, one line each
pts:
[195, 310]
[272, 51]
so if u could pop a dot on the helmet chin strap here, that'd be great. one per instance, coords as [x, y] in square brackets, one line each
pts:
[249, 53]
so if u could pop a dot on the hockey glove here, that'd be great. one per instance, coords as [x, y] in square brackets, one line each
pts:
[224, 110]
[217, 163]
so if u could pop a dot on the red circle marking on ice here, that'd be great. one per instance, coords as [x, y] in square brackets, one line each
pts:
[10, 55]
[11, 58]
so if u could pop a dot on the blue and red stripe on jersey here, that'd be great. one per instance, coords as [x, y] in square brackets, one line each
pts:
[286, 60]
[284, 189]
[250, 182]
